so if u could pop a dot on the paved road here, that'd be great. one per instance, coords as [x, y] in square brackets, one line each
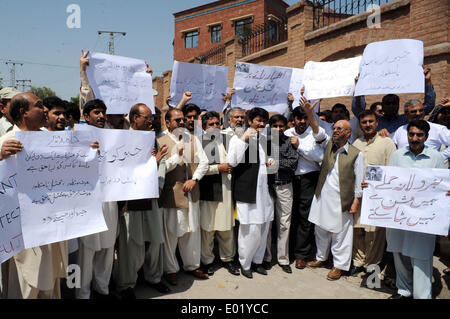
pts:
[301, 284]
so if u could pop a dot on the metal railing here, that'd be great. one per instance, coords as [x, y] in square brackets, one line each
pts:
[264, 36]
[327, 12]
[214, 56]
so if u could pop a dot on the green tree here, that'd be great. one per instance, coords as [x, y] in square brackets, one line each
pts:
[42, 92]
[75, 100]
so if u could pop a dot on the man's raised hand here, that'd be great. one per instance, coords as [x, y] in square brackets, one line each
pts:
[84, 60]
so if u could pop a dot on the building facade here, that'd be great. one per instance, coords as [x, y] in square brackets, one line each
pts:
[200, 29]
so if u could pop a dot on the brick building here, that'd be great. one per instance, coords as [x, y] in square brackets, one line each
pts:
[203, 28]
[309, 39]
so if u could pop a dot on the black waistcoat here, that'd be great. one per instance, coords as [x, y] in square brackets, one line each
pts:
[211, 185]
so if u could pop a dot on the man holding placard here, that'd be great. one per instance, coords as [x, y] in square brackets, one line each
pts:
[413, 251]
[33, 273]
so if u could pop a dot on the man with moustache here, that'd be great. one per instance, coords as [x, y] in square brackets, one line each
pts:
[33, 273]
[251, 192]
[216, 205]
[56, 113]
[308, 143]
[191, 113]
[337, 199]
[141, 222]
[369, 241]
[438, 136]
[186, 164]
[413, 251]
[96, 251]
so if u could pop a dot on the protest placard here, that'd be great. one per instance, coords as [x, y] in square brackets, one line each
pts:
[261, 86]
[120, 82]
[127, 170]
[11, 241]
[296, 85]
[393, 66]
[330, 79]
[411, 199]
[206, 82]
[57, 176]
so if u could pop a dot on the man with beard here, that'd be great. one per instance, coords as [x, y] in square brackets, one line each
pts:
[186, 164]
[216, 205]
[369, 241]
[438, 135]
[56, 113]
[281, 185]
[251, 192]
[336, 200]
[96, 251]
[141, 222]
[33, 273]
[308, 144]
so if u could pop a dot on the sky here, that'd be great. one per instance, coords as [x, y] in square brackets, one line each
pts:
[36, 33]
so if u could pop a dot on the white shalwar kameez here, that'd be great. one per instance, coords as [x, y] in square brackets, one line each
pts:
[332, 224]
[255, 218]
[181, 225]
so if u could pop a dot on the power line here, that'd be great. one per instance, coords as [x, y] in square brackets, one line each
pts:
[12, 71]
[23, 84]
[43, 64]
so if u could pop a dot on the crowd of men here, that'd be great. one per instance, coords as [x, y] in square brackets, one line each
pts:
[227, 183]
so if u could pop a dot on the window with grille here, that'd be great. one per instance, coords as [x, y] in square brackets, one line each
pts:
[191, 39]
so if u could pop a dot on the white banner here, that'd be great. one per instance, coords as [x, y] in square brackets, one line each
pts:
[11, 241]
[120, 82]
[206, 82]
[393, 66]
[57, 176]
[407, 198]
[330, 79]
[296, 85]
[261, 86]
[128, 170]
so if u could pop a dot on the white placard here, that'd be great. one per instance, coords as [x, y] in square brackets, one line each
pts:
[393, 66]
[296, 85]
[411, 199]
[330, 79]
[206, 82]
[120, 82]
[128, 170]
[261, 86]
[57, 176]
[11, 241]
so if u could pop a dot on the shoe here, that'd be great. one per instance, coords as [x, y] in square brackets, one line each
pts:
[398, 296]
[334, 274]
[128, 294]
[267, 265]
[314, 264]
[300, 264]
[259, 269]
[232, 268]
[247, 273]
[172, 278]
[286, 269]
[209, 269]
[160, 286]
[198, 273]
[354, 271]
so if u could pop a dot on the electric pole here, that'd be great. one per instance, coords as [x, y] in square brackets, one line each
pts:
[23, 84]
[13, 71]
[111, 39]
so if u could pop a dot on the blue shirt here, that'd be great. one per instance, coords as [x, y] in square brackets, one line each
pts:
[408, 243]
